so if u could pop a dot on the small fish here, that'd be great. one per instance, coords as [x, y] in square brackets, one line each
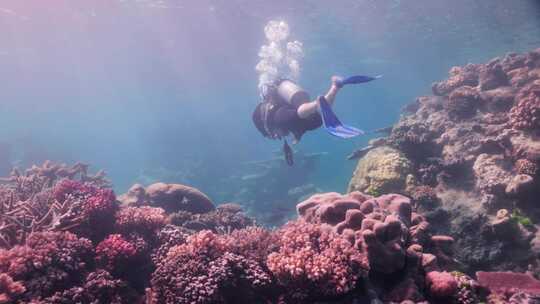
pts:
[359, 153]
[287, 151]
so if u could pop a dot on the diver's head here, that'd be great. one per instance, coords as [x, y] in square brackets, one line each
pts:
[260, 114]
[262, 121]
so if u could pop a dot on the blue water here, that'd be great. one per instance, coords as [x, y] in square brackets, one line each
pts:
[164, 90]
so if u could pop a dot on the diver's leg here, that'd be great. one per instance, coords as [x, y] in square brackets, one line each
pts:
[309, 108]
[332, 92]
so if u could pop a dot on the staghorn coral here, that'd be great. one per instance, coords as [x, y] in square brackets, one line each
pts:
[203, 271]
[42, 201]
[86, 207]
[314, 262]
[9, 289]
[48, 262]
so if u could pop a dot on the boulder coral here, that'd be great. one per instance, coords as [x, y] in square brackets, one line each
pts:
[170, 197]
[381, 170]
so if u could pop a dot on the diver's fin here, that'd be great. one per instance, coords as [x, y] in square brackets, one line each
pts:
[356, 79]
[333, 125]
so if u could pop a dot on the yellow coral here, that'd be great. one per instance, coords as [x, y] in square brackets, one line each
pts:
[382, 170]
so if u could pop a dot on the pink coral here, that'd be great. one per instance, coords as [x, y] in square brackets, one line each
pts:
[9, 289]
[115, 252]
[50, 261]
[204, 271]
[145, 220]
[441, 284]
[508, 282]
[316, 261]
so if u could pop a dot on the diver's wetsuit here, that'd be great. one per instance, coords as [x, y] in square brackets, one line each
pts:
[286, 117]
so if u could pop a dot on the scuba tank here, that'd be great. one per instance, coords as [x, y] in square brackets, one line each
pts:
[292, 93]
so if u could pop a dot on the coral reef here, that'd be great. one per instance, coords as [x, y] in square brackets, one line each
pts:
[472, 149]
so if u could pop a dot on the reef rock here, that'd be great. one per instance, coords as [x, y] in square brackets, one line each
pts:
[476, 143]
[381, 170]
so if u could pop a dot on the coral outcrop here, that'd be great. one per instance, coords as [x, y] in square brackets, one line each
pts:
[476, 144]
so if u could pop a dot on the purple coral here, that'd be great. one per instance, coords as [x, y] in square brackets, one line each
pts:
[312, 262]
[98, 287]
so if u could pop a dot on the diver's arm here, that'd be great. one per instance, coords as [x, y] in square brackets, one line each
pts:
[309, 108]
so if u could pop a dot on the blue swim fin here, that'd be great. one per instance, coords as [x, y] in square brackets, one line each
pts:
[356, 79]
[333, 125]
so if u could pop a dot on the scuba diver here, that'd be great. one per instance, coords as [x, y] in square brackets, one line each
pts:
[286, 109]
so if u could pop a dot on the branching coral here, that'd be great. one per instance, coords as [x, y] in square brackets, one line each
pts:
[312, 262]
[48, 262]
[98, 287]
[168, 237]
[145, 220]
[204, 271]
[114, 253]
[41, 201]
